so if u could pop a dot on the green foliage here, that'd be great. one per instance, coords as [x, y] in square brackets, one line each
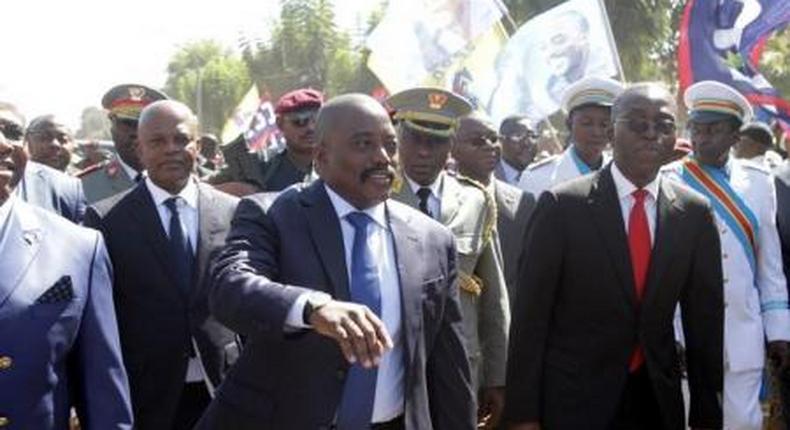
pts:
[774, 64]
[210, 80]
[308, 50]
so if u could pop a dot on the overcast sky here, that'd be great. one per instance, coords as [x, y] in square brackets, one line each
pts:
[61, 56]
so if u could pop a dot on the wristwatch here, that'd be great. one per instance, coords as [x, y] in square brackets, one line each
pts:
[315, 300]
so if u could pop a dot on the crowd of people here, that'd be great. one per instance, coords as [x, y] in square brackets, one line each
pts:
[404, 264]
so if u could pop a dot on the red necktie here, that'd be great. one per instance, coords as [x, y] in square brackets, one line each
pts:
[639, 245]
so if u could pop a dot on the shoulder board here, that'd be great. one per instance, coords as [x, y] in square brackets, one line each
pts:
[543, 162]
[491, 212]
[468, 181]
[90, 169]
[753, 166]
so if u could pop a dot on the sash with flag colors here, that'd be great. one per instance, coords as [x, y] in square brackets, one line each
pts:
[727, 203]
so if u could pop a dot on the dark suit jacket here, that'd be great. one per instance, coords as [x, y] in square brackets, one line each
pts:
[577, 320]
[782, 175]
[514, 207]
[156, 320]
[294, 380]
[53, 190]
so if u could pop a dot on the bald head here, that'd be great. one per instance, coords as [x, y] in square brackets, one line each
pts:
[169, 108]
[476, 147]
[640, 92]
[334, 113]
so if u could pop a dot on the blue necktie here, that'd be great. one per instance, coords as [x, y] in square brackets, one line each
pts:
[180, 248]
[356, 406]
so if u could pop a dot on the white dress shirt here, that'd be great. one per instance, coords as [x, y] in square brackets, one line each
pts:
[5, 211]
[434, 199]
[130, 172]
[188, 214]
[187, 209]
[512, 175]
[625, 190]
[389, 401]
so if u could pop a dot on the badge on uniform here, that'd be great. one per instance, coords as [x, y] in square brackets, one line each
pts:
[61, 291]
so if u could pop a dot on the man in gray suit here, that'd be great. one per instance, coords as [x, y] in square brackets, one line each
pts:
[476, 151]
[42, 185]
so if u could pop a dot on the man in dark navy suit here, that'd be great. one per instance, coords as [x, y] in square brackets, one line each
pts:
[349, 300]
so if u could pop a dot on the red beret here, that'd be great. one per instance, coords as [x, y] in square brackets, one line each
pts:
[299, 99]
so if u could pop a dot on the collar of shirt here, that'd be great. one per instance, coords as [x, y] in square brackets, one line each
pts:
[5, 209]
[511, 173]
[130, 172]
[435, 187]
[189, 194]
[625, 188]
[343, 207]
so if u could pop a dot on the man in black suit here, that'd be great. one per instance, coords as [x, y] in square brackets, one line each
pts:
[782, 182]
[348, 299]
[161, 235]
[607, 259]
[42, 185]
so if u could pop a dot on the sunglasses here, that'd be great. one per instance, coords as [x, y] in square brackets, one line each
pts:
[663, 127]
[11, 131]
[301, 119]
[521, 136]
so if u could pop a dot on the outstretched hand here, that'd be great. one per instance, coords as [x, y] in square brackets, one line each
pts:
[361, 335]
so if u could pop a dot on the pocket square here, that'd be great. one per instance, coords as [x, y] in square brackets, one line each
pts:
[61, 291]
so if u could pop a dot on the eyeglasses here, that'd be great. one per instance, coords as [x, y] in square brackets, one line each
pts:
[522, 135]
[11, 131]
[663, 127]
[301, 119]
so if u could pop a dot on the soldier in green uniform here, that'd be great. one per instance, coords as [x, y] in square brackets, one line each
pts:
[426, 119]
[123, 104]
[296, 112]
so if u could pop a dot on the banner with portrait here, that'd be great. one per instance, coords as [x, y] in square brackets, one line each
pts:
[548, 53]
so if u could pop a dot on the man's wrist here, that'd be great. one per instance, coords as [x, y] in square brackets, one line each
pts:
[315, 300]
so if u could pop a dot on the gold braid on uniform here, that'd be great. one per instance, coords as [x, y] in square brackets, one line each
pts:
[397, 181]
[472, 283]
[491, 213]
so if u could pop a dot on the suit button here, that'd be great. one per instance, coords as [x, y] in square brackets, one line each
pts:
[4, 421]
[724, 256]
[726, 280]
[5, 362]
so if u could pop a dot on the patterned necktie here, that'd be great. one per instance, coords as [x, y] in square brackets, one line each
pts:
[356, 405]
[423, 193]
[180, 248]
[639, 245]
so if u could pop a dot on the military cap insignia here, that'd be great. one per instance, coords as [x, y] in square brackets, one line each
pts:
[136, 93]
[436, 101]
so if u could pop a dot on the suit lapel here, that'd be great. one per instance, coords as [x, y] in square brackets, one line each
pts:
[145, 213]
[665, 238]
[23, 241]
[450, 199]
[327, 237]
[209, 225]
[608, 218]
[407, 248]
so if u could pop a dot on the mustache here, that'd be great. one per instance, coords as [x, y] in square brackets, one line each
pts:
[387, 170]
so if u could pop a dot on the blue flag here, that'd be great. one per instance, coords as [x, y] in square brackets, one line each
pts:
[722, 40]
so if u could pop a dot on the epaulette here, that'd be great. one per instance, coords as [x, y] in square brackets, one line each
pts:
[490, 221]
[543, 162]
[90, 169]
[753, 165]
